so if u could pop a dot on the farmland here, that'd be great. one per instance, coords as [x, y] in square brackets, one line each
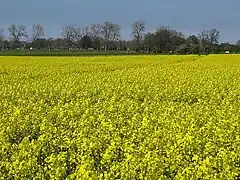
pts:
[125, 117]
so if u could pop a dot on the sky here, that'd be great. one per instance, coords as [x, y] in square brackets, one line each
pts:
[187, 16]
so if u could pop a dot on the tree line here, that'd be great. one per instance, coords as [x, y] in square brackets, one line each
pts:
[107, 36]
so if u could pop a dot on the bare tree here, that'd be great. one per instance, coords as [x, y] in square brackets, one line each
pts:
[1, 38]
[116, 32]
[209, 39]
[17, 32]
[69, 35]
[37, 31]
[210, 36]
[1, 34]
[111, 33]
[116, 35]
[85, 31]
[96, 34]
[50, 41]
[73, 35]
[138, 30]
[214, 36]
[81, 33]
[96, 30]
[77, 36]
[238, 43]
[106, 31]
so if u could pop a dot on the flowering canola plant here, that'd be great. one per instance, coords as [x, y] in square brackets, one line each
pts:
[125, 117]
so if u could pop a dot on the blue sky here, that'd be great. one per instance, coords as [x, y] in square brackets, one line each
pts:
[188, 16]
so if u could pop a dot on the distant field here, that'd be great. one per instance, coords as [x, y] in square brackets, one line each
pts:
[64, 53]
[120, 117]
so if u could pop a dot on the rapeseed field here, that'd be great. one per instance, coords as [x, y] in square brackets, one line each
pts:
[125, 117]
